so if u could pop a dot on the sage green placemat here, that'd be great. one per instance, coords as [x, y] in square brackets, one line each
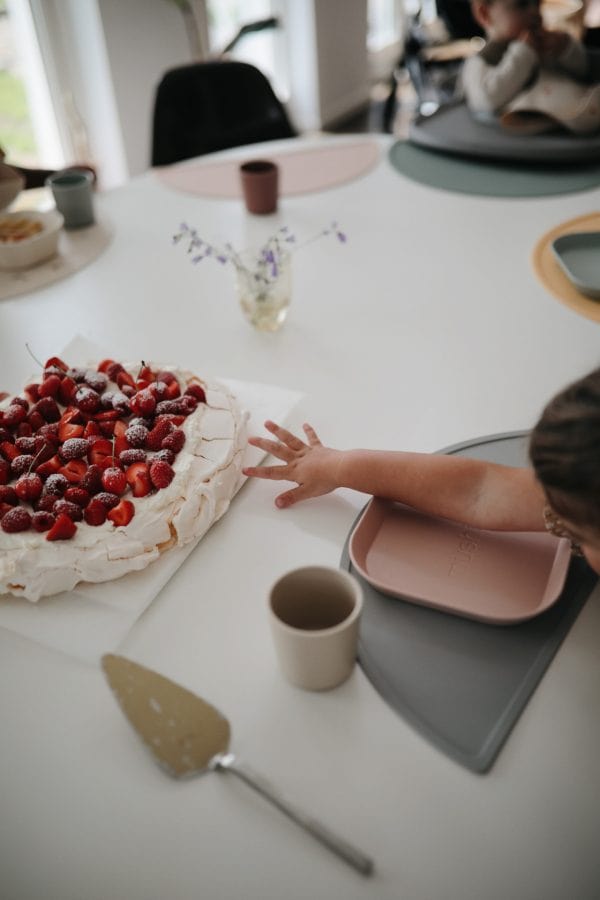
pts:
[463, 684]
[465, 175]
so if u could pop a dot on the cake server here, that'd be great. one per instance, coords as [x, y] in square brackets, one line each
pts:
[188, 736]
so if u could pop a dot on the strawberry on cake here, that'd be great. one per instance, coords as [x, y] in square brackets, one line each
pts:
[104, 467]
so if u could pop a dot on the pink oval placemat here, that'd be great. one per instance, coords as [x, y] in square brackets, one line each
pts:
[301, 171]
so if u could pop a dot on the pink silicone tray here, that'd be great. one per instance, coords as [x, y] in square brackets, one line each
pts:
[493, 576]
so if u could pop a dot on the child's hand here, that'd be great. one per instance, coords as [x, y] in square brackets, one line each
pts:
[531, 37]
[312, 466]
[552, 44]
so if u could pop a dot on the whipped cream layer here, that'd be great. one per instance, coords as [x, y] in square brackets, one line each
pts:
[207, 475]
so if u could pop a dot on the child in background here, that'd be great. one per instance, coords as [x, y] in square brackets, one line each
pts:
[517, 48]
[560, 493]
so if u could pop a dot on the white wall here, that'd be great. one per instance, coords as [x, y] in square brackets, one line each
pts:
[143, 39]
[341, 35]
[299, 33]
[327, 58]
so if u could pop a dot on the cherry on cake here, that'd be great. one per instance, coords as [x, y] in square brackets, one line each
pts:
[105, 467]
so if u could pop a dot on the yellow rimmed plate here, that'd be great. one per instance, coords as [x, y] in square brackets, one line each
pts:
[549, 272]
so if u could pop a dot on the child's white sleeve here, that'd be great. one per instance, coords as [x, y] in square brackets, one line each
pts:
[488, 88]
[574, 59]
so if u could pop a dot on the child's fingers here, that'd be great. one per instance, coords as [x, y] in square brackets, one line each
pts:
[273, 473]
[311, 434]
[288, 498]
[272, 447]
[286, 437]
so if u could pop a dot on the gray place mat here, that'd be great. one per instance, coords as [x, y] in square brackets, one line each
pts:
[452, 129]
[463, 684]
[490, 178]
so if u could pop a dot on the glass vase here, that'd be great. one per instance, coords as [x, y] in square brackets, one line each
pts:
[265, 296]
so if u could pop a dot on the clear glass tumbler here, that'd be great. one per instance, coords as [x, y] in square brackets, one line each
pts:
[265, 293]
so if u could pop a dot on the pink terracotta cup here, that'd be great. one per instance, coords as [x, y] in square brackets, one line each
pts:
[260, 186]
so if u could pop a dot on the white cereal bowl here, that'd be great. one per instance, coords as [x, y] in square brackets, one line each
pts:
[11, 185]
[35, 249]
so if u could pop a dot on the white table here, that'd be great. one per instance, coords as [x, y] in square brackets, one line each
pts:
[428, 328]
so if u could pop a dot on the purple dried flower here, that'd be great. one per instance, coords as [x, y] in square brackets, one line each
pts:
[268, 263]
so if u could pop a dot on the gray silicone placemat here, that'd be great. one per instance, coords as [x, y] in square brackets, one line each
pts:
[452, 129]
[460, 683]
[489, 178]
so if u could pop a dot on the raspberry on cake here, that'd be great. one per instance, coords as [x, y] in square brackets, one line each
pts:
[104, 467]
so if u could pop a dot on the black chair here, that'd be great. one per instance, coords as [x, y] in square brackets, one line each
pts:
[211, 106]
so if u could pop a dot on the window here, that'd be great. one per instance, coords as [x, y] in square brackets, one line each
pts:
[28, 130]
[384, 23]
[262, 49]
[386, 33]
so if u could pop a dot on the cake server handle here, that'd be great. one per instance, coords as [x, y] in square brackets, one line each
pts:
[226, 762]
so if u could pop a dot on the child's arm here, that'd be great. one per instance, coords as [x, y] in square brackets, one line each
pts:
[490, 87]
[563, 52]
[477, 493]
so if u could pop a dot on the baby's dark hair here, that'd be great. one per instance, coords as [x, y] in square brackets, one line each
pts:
[565, 451]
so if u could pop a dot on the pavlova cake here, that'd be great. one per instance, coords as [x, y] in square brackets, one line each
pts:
[104, 467]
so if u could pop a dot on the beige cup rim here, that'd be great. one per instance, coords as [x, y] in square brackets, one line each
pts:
[350, 580]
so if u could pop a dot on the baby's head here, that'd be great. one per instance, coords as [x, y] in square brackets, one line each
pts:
[565, 453]
[506, 20]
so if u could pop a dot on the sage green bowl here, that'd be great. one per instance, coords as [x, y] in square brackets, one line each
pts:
[578, 255]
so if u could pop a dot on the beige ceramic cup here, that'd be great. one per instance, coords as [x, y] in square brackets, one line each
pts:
[314, 614]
